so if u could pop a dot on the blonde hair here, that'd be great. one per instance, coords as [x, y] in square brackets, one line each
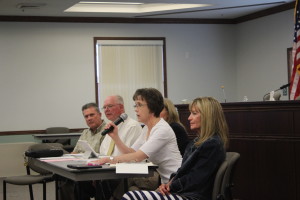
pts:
[212, 119]
[173, 115]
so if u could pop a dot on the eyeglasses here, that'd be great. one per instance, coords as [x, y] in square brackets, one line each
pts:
[108, 106]
[138, 105]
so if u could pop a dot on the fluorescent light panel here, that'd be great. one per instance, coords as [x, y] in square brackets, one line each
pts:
[112, 3]
[116, 7]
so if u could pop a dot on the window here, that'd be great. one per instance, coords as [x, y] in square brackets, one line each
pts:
[126, 64]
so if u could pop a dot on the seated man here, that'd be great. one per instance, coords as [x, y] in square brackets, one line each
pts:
[113, 107]
[92, 135]
[130, 129]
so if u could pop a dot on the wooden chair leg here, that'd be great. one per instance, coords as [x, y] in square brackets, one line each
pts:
[4, 190]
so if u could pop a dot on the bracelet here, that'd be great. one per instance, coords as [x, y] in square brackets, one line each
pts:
[111, 158]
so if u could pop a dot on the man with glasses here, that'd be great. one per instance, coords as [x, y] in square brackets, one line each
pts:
[129, 130]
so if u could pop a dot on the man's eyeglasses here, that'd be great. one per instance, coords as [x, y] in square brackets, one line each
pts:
[138, 105]
[108, 106]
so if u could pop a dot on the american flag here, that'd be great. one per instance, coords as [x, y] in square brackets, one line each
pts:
[295, 83]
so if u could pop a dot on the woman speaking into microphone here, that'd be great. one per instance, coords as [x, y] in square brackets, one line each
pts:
[157, 141]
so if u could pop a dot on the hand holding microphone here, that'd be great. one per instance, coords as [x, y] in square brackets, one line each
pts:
[120, 119]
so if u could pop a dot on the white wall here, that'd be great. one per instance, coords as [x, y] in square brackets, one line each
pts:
[12, 158]
[262, 55]
[47, 69]
[200, 61]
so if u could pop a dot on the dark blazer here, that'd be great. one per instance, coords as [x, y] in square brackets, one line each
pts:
[195, 178]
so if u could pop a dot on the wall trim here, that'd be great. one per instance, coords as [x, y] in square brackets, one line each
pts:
[252, 16]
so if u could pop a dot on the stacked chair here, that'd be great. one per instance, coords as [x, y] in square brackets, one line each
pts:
[42, 176]
[65, 142]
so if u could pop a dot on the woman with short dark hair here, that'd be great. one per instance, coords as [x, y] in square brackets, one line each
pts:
[157, 141]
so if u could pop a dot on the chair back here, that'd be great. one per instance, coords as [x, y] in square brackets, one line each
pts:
[227, 183]
[218, 180]
[41, 146]
[53, 130]
[223, 180]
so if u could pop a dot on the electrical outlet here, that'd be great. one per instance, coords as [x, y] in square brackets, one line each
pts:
[284, 92]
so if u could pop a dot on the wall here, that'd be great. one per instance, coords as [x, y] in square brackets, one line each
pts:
[12, 160]
[47, 69]
[261, 55]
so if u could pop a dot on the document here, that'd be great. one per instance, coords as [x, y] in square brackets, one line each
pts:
[132, 168]
[59, 159]
[89, 151]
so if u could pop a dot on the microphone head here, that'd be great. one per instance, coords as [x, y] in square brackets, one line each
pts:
[123, 116]
[285, 86]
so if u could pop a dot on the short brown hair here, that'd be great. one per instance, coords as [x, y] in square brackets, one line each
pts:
[153, 97]
[90, 105]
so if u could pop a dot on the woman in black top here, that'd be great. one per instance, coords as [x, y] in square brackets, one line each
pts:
[170, 115]
[203, 156]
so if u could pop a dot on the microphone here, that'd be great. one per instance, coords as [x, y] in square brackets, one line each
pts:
[285, 86]
[120, 119]
[224, 95]
[266, 96]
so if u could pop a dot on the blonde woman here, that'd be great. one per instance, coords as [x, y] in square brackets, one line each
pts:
[170, 115]
[203, 156]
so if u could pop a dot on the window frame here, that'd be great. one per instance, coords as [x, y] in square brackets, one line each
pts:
[164, 64]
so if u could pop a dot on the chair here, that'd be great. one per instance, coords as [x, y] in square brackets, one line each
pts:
[223, 182]
[218, 181]
[66, 142]
[42, 177]
[227, 183]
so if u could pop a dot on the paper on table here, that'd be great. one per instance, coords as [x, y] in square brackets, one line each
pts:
[57, 159]
[65, 157]
[132, 168]
[74, 155]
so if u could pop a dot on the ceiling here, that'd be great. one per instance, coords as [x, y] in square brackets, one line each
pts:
[220, 9]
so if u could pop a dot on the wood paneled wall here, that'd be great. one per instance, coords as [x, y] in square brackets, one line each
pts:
[267, 135]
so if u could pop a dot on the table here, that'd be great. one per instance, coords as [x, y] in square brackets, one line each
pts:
[107, 172]
[56, 136]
